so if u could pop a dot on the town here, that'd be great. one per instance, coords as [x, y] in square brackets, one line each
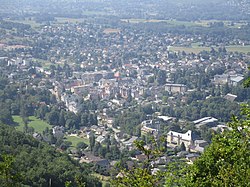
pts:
[104, 86]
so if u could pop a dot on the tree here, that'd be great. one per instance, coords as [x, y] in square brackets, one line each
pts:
[161, 77]
[62, 120]
[91, 141]
[38, 163]
[92, 119]
[141, 176]
[247, 81]
[42, 111]
[5, 116]
[81, 145]
[8, 175]
[84, 119]
[151, 79]
[225, 89]
[182, 147]
[52, 117]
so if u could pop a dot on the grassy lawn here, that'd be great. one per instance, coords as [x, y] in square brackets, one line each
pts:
[45, 64]
[37, 124]
[196, 49]
[189, 49]
[103, 178]
[239, 48]
[75, 140]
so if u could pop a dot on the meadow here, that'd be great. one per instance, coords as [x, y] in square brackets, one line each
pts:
[75, 140]
[196, 49]
[37, 124]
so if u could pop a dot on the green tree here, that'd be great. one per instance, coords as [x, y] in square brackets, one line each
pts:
[161, 77]
[8, 175]
[52, 117]
[81, 145]
[141, 176]
[182, 147]
[91, 141]
[246, 83]
[5, 116]
[62, 120]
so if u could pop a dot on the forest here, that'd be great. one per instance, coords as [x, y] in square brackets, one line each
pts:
[26, 161]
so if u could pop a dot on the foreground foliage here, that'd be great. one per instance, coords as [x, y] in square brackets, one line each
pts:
[227, 160]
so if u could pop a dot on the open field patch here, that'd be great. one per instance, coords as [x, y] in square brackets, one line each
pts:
[196, 49]
[37, 124]
[202, 23]
[75, 140]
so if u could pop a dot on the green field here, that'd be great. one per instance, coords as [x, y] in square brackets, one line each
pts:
[44, 63]
[75, 140]
[196, 49]
[68, 20]
[104, 179]
[203, 23]
[31, 22]
[37, 124]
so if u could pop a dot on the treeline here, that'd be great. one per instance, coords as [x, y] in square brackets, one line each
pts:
[219, 32]
[129, 121]
[33, 163]
[13, 25]
[217, 107]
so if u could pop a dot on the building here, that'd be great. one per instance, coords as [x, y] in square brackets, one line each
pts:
[199, 146]
[58, 131]
[230, 97]
[176, 88]
[90, 158]
[208, 121]
[150, 126]
[233, 80]
[176, 139]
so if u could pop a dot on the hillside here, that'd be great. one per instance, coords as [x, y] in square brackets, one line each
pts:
[37, 164]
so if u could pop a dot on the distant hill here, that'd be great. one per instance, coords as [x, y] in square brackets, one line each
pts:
[188, 10]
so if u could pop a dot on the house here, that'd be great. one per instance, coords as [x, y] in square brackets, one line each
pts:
[230, 97]
[100, 139]
[37, 136]
[90, 158]
[232, 79]
[155, 171]
[221, 79]
[175, 88]
[150, 126]
[160, 161]
[141, 157]
[236, 80]
[165, 118]
[130, 142]
[58, 131]
[208, 121]
[191, 158]
[199, 146]
[221, 128]
[175, 138]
